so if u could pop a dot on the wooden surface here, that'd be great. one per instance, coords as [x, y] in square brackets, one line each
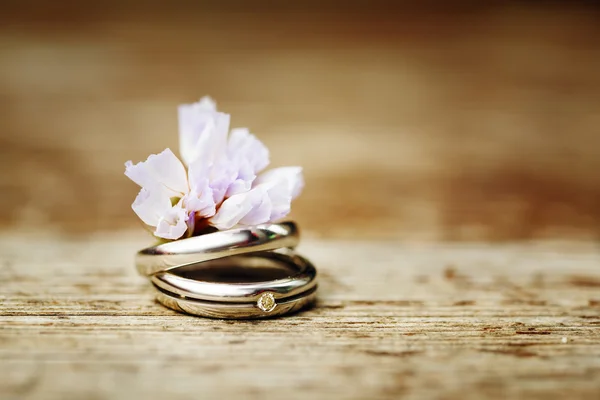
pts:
[445, 321]
[452, 204]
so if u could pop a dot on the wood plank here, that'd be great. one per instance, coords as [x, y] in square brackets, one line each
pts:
[413, 319]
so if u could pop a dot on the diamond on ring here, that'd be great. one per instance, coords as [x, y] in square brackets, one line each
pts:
[266, 302]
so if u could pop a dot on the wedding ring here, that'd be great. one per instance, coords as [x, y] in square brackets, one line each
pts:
[254, 285]
[250, 272]
[211, 246]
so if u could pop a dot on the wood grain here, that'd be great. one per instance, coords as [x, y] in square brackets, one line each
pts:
[438, 141]
[393, 320]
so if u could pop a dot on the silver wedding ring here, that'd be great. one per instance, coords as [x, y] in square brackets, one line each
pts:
[241, 273]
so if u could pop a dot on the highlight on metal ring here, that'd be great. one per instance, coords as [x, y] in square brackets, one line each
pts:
[242, 273]
[211, 246]
[246, 292]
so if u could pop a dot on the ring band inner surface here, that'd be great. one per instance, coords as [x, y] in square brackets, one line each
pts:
[238, 269]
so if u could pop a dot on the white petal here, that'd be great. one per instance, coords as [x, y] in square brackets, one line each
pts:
[235, 208]
[207, 103]
[151, 206]
[266, 202]
[281, 199]
[240, 185]
[244, 148]
[291, 175]
[160, 171]
[202, 131]
[200, 200]
[173, 224]
[259, 214]
[246, 156]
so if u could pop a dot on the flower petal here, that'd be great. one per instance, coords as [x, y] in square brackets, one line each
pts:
[248, 156]
[202, 131]
[291, 175]
[281, 198]
[200, 199]
[173, 224]
[242, 145]
[160, 171]
[259, 214]
[236, 207]
[151, 206]
[219, 175]
[267, 201]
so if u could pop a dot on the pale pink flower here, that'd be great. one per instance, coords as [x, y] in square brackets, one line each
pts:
[164, 181]
[268, 200]
[221, 186]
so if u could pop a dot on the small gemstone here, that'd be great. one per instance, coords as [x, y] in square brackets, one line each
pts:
[266, 302]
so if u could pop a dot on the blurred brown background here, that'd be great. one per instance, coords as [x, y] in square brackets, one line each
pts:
[445, 122]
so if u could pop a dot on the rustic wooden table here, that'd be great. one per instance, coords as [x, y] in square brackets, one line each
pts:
[417, 320]
[452, 202]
